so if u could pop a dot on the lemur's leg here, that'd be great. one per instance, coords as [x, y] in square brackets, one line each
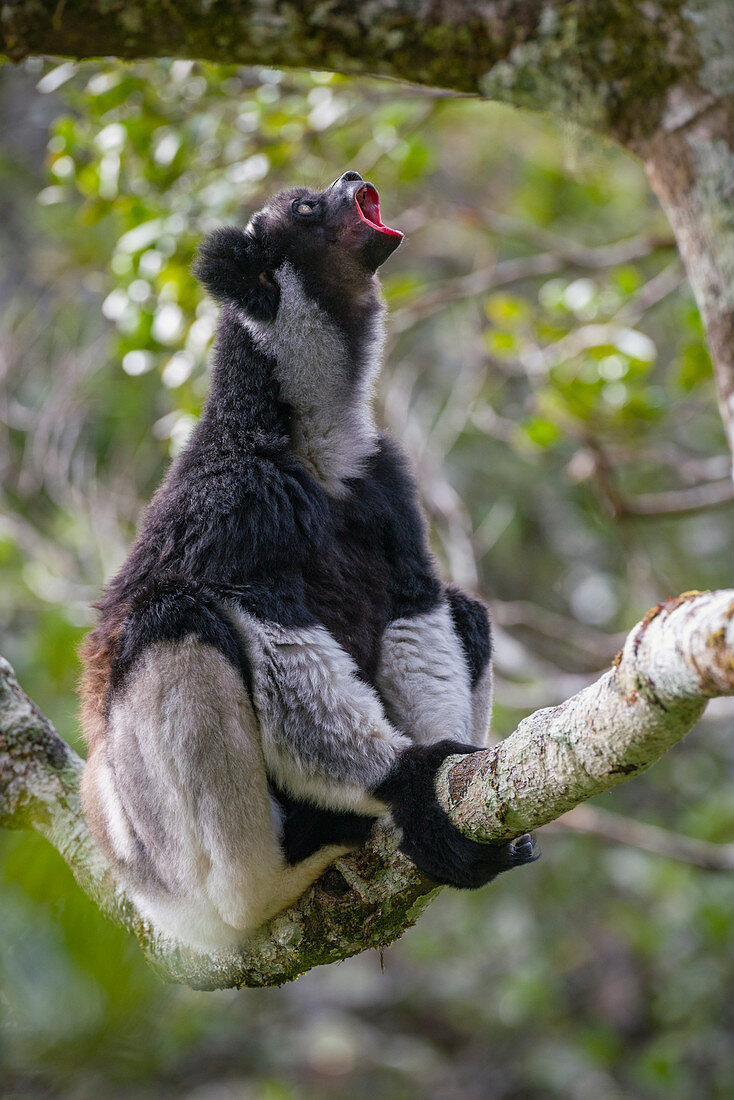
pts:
[473, 625]
[327, 740]
[177, 795]
[435, 676]
[307, 827]
[435, 672]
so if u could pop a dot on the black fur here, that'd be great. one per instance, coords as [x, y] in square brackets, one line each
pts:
[306, 827]
[471, 620]
[238, 514]
[234, 266]
[429, 839]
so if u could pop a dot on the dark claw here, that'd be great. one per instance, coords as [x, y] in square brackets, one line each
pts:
[523, 849]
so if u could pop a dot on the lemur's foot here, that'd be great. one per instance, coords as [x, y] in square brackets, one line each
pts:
[429, 838]
[467, 864]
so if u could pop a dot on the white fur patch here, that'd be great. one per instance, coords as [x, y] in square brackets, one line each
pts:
[424, 679]
[482, 695]
[334, 431]
[189, 777]
[324, 731]
[118, 826]
[277, 817]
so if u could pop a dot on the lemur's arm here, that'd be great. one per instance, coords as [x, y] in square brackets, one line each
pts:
[435, 671]
[326, 739]
[471, 621]
[435, 677]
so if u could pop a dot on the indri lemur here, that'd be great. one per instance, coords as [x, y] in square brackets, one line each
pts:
[277, 662]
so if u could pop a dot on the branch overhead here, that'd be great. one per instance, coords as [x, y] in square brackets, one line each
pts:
[655, 76]
[442, 45]
[599, 64]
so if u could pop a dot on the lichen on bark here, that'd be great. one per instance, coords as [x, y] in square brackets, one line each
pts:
[604, 66]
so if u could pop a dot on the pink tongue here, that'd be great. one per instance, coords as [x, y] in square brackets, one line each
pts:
[369, 210]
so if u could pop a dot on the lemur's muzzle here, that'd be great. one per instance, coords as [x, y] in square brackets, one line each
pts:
[366, 200]
[361, 211]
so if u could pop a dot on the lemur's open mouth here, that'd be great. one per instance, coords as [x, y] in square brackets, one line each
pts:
[367, 201]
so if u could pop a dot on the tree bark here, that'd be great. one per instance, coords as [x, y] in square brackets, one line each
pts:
[680, 655]
[690, 164]
[591, 57]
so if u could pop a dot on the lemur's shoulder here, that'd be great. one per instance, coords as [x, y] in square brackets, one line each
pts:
[220, 514]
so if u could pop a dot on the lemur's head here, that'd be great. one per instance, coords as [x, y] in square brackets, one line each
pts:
[334, 239]
[300, 281]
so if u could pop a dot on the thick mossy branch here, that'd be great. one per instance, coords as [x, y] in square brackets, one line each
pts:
[593, 62]
[679, 656]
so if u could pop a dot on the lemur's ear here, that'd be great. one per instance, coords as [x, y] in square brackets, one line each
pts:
[233, 266]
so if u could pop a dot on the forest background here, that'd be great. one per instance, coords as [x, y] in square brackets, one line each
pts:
[548, 375]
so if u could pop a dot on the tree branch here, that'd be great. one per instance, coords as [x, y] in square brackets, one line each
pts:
[506, 272]
[680, 502]
[648, 838]
[597, 645]
[680, 655]
[553, 54]
[596, 461]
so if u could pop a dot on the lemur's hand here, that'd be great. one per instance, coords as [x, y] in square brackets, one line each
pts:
[429, 839]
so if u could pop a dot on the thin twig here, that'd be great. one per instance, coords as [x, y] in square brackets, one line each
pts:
[563, 256]
[649, 838]
[595, 644]
[680, 502]
[672, 503]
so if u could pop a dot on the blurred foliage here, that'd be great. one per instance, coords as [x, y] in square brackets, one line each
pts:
[541, 369]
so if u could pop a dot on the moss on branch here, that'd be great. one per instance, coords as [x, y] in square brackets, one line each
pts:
[606, 64]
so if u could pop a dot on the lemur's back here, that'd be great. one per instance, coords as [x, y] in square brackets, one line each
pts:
[353, 564]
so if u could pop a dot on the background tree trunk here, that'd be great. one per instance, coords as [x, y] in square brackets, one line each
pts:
[690, 163]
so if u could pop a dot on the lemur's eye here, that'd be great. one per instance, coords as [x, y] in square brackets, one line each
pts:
[303, 207]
